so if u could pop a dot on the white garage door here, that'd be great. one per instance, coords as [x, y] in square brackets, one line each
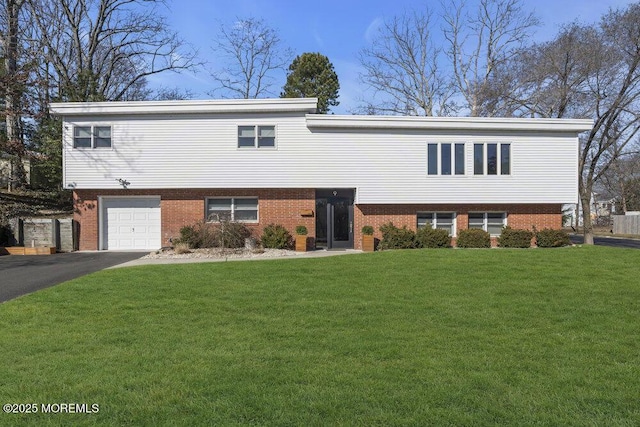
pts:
[131, 223]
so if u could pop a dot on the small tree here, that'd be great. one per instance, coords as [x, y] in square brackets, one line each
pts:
[312, 75]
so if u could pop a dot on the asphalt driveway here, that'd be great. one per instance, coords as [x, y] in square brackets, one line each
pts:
[616, 242]
[21, 275]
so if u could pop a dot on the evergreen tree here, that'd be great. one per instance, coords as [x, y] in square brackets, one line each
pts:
[312, 75]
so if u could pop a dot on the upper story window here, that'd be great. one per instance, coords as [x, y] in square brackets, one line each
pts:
[241, 209]
[92, 137]
[256, 136]
[491, 159]
[445, 159]
[491, 222]
[444, 220]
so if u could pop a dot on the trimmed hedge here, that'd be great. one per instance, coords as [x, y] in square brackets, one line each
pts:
[396, 238]
[515, 238]
[428, 237]
[275, 236]
[473, 238]
[549, 238]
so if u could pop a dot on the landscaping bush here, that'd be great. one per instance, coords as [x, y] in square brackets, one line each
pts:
[231, 234]
[276, 236]
[549, 238]
[428, 237]
[473, 238]
[224, 234]
[515, 238]
[396, 238]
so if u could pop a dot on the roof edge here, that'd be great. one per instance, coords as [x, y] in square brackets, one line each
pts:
[275, 105]
[448, 123]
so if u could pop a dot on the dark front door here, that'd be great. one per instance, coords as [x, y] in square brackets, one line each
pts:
[334, 221]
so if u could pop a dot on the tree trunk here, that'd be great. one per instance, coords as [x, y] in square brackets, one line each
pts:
[587, 224]
[15, 146]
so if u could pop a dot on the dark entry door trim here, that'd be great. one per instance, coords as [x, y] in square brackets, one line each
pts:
[336, 223]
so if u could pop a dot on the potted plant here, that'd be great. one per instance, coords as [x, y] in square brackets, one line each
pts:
[301, 238]
[368, 242]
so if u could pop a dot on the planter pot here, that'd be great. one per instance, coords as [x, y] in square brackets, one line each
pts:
[368, 243]
[301, 243]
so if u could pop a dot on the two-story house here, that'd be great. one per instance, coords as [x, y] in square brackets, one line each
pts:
[142, 170]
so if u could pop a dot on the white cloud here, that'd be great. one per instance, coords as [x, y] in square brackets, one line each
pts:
[372, 29]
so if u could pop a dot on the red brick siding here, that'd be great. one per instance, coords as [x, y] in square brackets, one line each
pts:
[283, 206]
[187, 206]
[519, 216]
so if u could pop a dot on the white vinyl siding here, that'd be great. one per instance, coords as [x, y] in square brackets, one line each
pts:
[384, 165]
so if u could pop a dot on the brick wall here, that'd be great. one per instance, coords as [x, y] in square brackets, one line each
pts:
[187, 206]
[283, 206]
[519, 216]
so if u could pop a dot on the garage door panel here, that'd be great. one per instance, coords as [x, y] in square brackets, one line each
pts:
[131, 223]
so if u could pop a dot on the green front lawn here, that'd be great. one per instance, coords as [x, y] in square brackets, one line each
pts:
[421, 337]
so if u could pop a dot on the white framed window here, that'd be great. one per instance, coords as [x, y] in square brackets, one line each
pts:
[492, 159]
[491, 222]
[443, 220]
[445, 158]
[241, 209]
[257, 136]
[92, 137]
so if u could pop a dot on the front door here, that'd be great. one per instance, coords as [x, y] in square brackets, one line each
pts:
[334, 221]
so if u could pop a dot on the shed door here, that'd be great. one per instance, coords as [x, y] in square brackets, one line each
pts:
[131, 223]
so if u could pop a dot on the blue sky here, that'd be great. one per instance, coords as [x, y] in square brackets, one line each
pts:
[337, 29]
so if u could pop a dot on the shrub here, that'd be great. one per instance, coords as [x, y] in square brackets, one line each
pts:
[231, 234]
[396, 238]
[301, 230]
[473, 238]
[549, 238]
[225, 234]
[367, 230]
[514, 238]
[428, 237]
[276, 236]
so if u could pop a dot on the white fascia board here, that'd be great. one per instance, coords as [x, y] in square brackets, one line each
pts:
[448, 123]
[277, 105]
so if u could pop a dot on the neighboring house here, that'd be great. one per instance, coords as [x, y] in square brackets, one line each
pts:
[142, 170]
[5, 170]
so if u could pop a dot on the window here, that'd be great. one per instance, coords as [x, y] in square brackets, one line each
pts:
[92, 137]
[497, 161]
[243, 209]
[478, 159]
[448, 157]
[491, 222]
[432, 151]
[443, 220]
[256, 136]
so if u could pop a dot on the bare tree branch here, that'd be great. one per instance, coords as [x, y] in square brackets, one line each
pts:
[402, 67]
[105, 49]
[251, 52]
